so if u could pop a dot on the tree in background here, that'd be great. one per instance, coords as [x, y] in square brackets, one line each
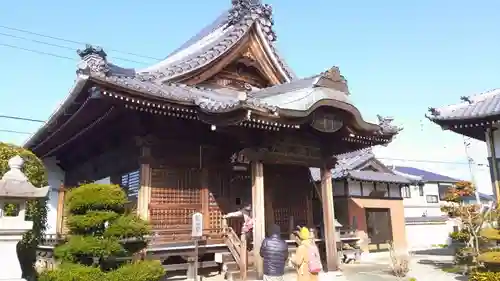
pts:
[36, 211]
[478, 235]
[102, 235]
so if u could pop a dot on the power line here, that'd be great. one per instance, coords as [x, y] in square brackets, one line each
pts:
[61, 47]
[430, 161]
[22, 118]
[36, 51]
[14, 132]
[72, 41]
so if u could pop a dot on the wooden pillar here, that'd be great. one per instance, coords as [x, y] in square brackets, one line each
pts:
[258, 211]
[329, 219]
[310, 210]
[144, 196]
[268, 207]
[60, 210]
[205, 198]
[493, 164]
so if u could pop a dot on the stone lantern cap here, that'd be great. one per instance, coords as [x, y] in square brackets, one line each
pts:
[15, 184]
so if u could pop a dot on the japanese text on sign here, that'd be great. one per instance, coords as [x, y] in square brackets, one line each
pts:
[197, 224]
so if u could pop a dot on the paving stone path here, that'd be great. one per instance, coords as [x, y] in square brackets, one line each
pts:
[425, 266]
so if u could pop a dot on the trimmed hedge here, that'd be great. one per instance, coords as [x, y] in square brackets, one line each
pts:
[95, 197]
[484, 276]
[490, 233]
[137, 271]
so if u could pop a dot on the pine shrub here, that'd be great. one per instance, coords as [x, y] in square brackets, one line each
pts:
[102, 232]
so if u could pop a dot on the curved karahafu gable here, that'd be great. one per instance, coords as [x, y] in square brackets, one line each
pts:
[301, 98]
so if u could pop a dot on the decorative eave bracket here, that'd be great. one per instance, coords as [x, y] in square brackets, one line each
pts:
[386, 126]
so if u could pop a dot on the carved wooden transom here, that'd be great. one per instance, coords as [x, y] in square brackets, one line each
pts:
[238, 75]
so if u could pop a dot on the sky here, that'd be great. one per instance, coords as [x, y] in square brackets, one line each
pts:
[399, 57]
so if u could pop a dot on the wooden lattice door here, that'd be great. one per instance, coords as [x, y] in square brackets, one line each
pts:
[175, 196]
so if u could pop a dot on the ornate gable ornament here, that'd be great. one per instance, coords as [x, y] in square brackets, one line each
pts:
[386, 125]
[250, 11]
[93, 60]
[434, 112]
[337, 80]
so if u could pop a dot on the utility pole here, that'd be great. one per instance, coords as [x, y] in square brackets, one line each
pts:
[471, 170]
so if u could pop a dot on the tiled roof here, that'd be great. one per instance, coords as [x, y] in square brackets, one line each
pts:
[375, 176]
[474, 107]
[155, 85]
[424, 175]
[206, 99]
[347, 164]
[217, 39]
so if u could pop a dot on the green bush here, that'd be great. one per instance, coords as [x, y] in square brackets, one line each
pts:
[79, 247]
[484, 276]
[138, 271]
[129, 226]
[490, 234]
[34, 169]
[100, 232]
[73, 272]
[91, 222]
[96, 197]
[460, 236]
[489, 257]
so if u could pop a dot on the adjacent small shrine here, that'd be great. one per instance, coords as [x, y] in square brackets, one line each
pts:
[15, 189]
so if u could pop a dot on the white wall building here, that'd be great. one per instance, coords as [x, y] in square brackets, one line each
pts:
[426, 224]
[55, 177]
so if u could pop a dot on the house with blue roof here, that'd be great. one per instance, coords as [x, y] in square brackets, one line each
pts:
[426, 225]
[423, 200]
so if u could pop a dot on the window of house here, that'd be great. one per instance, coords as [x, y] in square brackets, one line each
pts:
[420, 190]
[432, 198]
[405, 191]
[443, 190]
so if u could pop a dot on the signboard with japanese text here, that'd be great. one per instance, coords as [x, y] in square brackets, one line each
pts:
[197, 225]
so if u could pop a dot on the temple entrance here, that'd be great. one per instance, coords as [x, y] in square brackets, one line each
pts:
[288, 197]
[379, 228]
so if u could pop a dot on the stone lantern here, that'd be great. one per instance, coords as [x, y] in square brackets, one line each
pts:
[15, 189]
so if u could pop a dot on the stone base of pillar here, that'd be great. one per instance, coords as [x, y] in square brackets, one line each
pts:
[10, 269]
[191, 272]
